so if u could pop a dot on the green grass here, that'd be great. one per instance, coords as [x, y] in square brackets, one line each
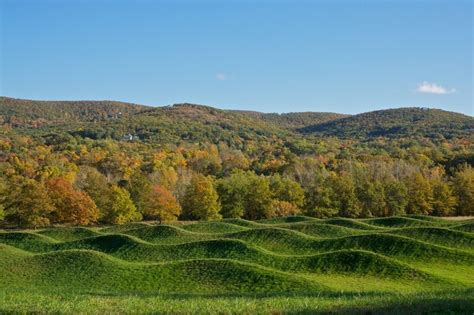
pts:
[285, 265]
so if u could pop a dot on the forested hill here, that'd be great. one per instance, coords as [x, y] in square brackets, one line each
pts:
[31, 113]
[395, 123]
[295, 120]
[190, 122]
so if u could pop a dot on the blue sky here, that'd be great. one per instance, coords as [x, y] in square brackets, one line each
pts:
[271, 56]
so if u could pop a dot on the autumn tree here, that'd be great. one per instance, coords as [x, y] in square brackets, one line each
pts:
[232, 159]
[27, 203]
[140, 188]
[444, 201]
[71, 206]
[206, 161]
[161, 205]
[420, 195]
[283, 208]
[94, 183]
[121, 208]
[3, 189]
[200, 201]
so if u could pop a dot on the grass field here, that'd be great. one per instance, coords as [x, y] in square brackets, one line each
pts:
[286, 265]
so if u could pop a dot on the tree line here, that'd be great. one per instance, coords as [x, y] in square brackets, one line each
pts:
[84, 182]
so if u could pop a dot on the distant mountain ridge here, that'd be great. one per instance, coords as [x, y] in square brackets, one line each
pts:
[185, 121]
[296, 119]
[397, 122]
[32, 113]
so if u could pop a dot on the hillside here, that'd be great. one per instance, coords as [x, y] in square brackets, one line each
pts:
[31, 113]
[295, 120]
[393, 123]
[197, 123]
[298, 260]
[186, 123]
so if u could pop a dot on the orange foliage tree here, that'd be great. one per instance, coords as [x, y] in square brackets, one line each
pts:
[161, 205]
[72, 206]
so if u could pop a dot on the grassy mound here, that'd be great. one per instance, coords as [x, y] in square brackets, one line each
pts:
[244, 223]
[320, 230]
[166, 234]
[394, 222]
[69, 234]
[86, 270]
[439, 236]
[465, 227]
[352, 223]
[290, 219]
[290, 258]
[214, 227]
[123, 228]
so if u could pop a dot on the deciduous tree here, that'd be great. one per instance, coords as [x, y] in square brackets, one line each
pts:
[200, 201]
[161, 205]
[121, 208]
[71, 206]
[27, 203]
[463, 183]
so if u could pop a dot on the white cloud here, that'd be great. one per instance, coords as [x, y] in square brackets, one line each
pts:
[433, 88]
[221, 76]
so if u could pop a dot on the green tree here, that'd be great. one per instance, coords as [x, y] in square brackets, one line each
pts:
[463, 183]
[259, 198]
[232, 191]
[344, 197]
[372, 198]
[320, 198]
[396, 198]
[121, 208]
[288, 190]
[200, 201]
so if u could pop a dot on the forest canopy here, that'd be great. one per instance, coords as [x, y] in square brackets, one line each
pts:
[109, 162]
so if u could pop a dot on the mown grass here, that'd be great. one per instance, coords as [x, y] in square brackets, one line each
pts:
[285, 265]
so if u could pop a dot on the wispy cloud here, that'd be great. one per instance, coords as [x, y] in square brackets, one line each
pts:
[221, 76]
[433, 88]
